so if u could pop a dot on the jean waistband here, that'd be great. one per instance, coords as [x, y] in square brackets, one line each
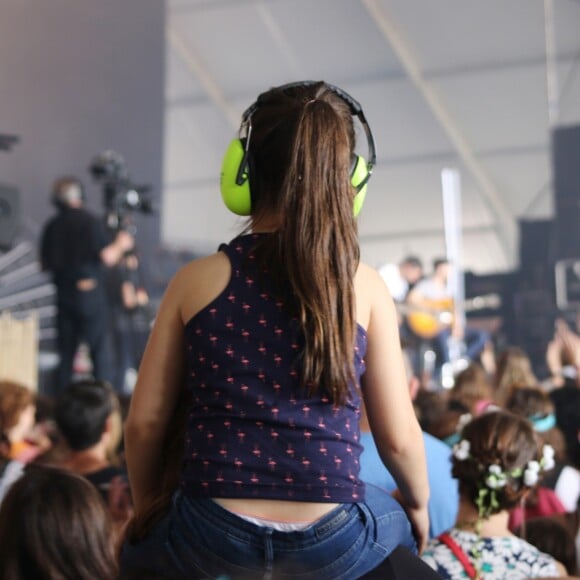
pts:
[207, 508]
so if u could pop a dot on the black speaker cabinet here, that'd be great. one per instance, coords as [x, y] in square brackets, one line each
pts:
[566, 160]
[566, 174]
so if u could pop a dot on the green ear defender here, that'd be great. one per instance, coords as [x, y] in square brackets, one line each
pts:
[234, 178]
[359, 177]
[234, 182]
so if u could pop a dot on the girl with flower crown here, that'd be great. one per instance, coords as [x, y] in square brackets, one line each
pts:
[497, 462]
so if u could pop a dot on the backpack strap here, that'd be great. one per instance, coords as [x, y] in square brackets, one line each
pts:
[458, 552]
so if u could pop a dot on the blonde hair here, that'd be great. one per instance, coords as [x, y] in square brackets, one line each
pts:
[514, 370]
[471, 387]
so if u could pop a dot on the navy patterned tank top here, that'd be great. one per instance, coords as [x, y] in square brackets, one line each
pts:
[252, 431]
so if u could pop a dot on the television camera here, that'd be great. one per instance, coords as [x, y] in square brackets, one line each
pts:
[121, 196]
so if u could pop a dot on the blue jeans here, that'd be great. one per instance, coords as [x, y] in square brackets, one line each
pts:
[474, 339]
[200, 539]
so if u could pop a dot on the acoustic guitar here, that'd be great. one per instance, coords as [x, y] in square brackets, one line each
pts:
[429, 317]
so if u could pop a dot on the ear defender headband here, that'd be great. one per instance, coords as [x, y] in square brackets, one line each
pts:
[234, 179]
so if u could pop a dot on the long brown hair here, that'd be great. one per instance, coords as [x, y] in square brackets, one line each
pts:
[514, 369]
[301, 149]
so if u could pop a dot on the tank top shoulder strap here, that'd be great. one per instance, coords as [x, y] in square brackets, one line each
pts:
[241, 248]
[236, 251]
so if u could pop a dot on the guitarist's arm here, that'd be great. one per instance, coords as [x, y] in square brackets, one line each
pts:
[415, 298]
[457, 328]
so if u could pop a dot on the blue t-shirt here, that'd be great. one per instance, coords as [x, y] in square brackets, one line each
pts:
[444, 498]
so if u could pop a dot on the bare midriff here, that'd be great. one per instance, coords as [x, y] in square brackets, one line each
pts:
[277, 510]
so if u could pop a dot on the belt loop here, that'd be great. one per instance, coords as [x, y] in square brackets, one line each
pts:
[268, 554]
[336, 521]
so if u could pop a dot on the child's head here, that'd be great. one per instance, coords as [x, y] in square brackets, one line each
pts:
[535, 405]
[429, 408]
[447, 426]
[472, 388]
[17, 410]
[84, 412]
[294, 171]
[53, 524]
[513, 369]
[298, 131]
[498, 460]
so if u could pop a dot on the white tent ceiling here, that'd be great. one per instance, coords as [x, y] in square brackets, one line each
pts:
[444, 83]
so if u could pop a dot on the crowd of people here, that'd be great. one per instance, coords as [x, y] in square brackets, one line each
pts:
[277, 428]
[502, 457]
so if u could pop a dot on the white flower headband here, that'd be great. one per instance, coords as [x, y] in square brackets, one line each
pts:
[496, 477]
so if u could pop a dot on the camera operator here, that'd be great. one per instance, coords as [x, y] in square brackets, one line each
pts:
[130, 311]
[74, 248]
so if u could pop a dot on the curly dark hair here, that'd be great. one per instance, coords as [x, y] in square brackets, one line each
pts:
[496, 438]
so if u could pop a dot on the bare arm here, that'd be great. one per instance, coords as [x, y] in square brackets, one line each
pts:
[112, 254]
[561, 569]
[161, 374]
[390, 411]
[153, 401]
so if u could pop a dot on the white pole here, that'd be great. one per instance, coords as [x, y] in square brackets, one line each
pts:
[451, 189]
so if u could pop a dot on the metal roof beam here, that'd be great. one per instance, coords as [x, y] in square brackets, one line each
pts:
[280, 39]
[492, 196]
[196, 68]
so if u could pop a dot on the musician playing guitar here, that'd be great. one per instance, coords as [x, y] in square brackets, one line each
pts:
[401, 277]
[435, 317]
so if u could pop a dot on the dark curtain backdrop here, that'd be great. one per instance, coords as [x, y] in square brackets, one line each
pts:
[78, 77]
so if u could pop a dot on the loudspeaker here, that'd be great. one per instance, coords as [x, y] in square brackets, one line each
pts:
[536, 250]
[567, 226]
[535, 313]
[9, 215]
[566, 160]
[566, 172]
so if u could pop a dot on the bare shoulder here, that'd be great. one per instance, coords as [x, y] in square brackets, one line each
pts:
[562, 570]
[367, 284]
[364, 271]
[214, 264]
[199, 282]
